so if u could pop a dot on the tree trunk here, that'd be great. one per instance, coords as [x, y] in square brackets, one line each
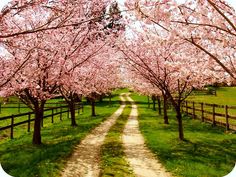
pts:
[159, 105]
[37, 124]
[72, 113]
[154, 102]
[101, 98]
[110, 100]
[180, 124]
[177, 106]
[148, 102]
[93, 107]
[166, 119]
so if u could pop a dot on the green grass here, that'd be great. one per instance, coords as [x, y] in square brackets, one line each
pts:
[22, 159]
[225, 96]
[11, 108]
[113, 161]
[207, 152]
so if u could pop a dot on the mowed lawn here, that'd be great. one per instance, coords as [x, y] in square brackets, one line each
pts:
[224, 96]
[20, 158]
[207, 152]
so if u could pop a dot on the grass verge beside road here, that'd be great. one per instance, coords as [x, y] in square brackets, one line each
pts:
[20, 158]
[207, 152]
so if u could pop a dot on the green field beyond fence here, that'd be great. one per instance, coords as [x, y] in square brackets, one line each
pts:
[15, 116]
[222, 115]
[218, 109]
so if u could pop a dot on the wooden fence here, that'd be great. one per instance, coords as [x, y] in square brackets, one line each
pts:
[48, 113]
[222, 115]
[19, 105]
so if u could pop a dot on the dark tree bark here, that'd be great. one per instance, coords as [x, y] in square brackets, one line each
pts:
[71, 99]
[72, 113]
[101, 98]
[165, 115]
[176, 103]
[154, 102]
[110, 99]
[93, 107]
[159, 105]
[180, 123]
[38, 111]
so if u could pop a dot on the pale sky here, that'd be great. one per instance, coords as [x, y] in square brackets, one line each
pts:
[4, 2]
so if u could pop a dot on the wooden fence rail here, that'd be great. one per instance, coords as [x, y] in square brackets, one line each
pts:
[48, 113]
[20, 105]
[222, 115]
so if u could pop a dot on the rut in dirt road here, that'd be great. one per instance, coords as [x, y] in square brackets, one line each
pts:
[85, 160]
[140, 158]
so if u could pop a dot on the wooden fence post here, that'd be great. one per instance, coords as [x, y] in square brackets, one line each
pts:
[193, 110]
[226, 117]
[29, 117]
[12, 126]
[213, 115]
[52, 116]
[202, 110]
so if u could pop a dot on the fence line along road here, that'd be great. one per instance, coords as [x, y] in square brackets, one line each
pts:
[222, 115]
[48, 113]
[20, 105]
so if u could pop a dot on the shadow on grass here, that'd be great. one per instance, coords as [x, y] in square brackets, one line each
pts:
[20, 158]
[207, 152]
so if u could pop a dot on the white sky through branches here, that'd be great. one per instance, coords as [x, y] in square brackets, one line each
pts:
[231, 2]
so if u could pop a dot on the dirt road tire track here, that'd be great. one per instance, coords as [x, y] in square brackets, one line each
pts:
[85, 159]
[140, 158]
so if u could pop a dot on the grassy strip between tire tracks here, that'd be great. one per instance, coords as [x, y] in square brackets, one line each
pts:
[20, 158]
[113, 161]
[207, 152]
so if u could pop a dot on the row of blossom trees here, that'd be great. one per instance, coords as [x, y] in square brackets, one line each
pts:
[179, 47]
[71, 47]
[56, 46]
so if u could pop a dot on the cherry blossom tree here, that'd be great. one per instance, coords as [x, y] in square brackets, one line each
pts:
[172, 66]
[208, 25]
[99, 52]
[144, 88]
[90, 78]
[54, 15]
[36, 81]
[100, 76]
[46, 55]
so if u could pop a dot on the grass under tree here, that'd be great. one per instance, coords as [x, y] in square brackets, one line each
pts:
[22, 159]
[207, 152]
